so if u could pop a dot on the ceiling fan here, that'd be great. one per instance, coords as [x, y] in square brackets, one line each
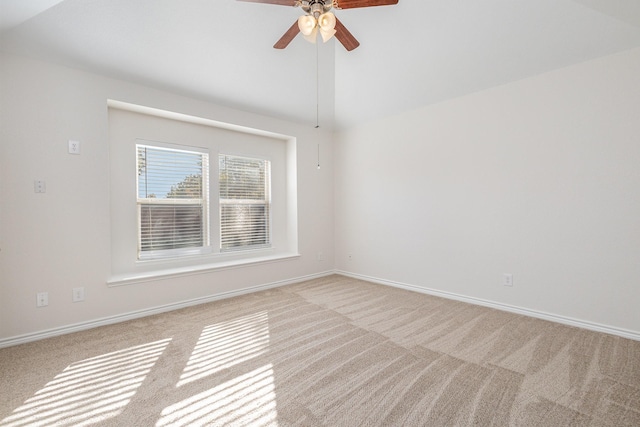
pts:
[318, 18]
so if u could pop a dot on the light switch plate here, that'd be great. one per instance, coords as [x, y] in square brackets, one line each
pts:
[39, 186]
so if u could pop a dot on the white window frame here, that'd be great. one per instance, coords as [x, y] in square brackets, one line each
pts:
[203, 202]
[266, 202]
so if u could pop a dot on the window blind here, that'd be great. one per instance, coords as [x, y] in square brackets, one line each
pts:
[172, 200]
[244, 203]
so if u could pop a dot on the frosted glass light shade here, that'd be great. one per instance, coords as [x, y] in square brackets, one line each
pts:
[311, 38]
[327, 24]
[307, 24]
[327, 21]
[326, 35]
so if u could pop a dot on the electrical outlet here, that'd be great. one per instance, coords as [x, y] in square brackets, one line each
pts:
[350, 257]
[78, 294]
[42, 299]
[320, 256]
[507, 279]
[74, 147]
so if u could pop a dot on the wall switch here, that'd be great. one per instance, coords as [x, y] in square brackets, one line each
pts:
[350, 257]
[42, 299]
[78, 294]
[507, 279]
[74, 147]
[39, 186]
[320, 256]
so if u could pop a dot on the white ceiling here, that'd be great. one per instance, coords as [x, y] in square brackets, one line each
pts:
[413, 54]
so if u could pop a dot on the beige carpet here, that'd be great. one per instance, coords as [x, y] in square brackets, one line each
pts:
[328, 352]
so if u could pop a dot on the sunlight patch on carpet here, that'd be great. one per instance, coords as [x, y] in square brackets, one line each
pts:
[89, 391]
[249, 399]
[226, 344]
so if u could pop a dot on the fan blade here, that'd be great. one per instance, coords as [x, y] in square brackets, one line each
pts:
[288, 36]
[352, 4]
[278, 2]
[345, 37]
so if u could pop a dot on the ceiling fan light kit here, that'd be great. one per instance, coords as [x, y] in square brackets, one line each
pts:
[319, 19]
[310, 26]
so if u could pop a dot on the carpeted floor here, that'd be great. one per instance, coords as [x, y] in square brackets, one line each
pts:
[328, 352]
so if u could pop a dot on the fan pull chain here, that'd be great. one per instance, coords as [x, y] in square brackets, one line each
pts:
[317, 87]
[318, 97]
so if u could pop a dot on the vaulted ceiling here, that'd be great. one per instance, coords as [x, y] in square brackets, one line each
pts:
[416, 53]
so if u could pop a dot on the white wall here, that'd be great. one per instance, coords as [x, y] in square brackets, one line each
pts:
[539, 178]
[61, 239]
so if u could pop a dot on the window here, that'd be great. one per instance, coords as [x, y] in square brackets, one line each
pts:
[245, 203]
[172, 201]
[226, 198]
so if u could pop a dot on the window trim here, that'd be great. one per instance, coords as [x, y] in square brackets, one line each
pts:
[129, 122]
[169, 273]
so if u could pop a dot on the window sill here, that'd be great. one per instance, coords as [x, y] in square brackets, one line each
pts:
[133, 278]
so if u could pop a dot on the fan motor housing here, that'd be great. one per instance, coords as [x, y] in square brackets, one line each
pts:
[316, 7]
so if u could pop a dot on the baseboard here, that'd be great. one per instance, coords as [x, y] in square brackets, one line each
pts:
[22, 339]
[624, 333]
